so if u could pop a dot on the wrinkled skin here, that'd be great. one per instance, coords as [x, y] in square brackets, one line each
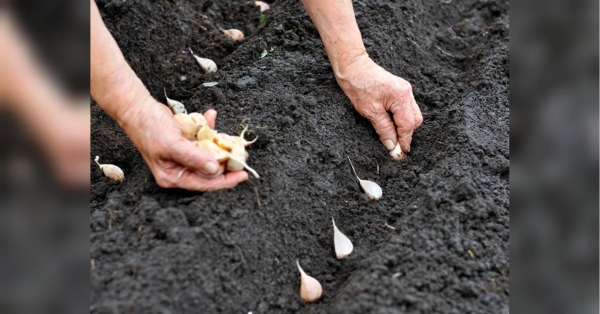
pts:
[375, 92]
[158, 138]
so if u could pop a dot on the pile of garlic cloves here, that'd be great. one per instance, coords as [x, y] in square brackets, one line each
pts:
[228, 150]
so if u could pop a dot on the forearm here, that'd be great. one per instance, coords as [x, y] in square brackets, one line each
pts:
[339, 32]
[113, 84]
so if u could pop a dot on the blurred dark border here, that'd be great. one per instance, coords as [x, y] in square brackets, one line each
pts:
[44, 229]
[554, 148]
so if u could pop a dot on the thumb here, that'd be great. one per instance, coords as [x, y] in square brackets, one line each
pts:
[189, 155]
[385, 127]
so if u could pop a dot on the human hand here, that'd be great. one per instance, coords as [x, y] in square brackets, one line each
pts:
[374, 92]
[175, 161]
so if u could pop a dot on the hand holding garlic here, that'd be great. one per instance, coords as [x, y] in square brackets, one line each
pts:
[175, 161]
[226, 149]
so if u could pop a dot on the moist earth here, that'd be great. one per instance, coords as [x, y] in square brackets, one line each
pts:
[436, 242]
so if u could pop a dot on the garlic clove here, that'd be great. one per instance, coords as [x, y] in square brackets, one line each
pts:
[242, 161]
[263, 5]
[397, 153]
[176, 107]
[111, 171]
[187, 125]
[372, 189]
[198, 119]
[234, 163]
[207, 65]
[206, 133]
[310, 288]
[212, 148]
[234, 34]
[343, 246]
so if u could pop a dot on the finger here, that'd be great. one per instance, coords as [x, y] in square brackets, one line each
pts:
[384, 126]
[211, 117]
[193, 181]
[405, 119]
[189, 155]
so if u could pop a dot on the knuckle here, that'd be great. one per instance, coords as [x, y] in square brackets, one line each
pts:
[163, 180]
[402, 87]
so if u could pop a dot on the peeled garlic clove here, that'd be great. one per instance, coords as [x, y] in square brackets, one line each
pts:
[310, 288]
[372, 189]
[207, 65]
[111, 171]
[206, 133]
[238, 153]
[343, 246]
[243, 163]
[212, 148]
[263, 5]
[187, 126]
[176, 107]
[397, 153]
[198, 119]
[234, 34]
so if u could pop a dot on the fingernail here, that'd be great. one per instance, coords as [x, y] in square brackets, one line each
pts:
[389, 144]
[408, 150]
[211, 167]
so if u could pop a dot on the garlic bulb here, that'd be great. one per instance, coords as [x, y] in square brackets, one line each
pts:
[263, 5]
[111, 171]
[175, 106]
[207, 65]
[372, 189]
[343, 246]
[310, 288]
[234, 34]
[397, 154]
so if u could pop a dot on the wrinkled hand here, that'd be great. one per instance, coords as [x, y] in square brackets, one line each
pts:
[158, 138]
[374, 92]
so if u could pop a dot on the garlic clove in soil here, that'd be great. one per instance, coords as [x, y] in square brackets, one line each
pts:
[207, 65]
[310, 288]
[234, 34]
[111, 171]
[263, 5]
[397, 153]
[372, 189]
[343, 246]
[176, 107]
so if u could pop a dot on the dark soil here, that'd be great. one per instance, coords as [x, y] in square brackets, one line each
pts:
[437, 242]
